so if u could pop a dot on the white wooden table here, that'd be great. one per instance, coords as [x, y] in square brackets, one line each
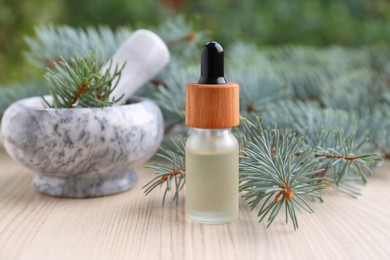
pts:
[132, 226]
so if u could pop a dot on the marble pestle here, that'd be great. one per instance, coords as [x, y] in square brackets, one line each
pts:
[145, 55]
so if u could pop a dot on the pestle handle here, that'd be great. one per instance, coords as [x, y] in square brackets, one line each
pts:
[145, 55]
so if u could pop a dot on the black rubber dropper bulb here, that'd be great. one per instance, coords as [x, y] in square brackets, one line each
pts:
[212, 64]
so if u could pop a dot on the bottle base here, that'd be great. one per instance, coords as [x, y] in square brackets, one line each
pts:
[211, 218]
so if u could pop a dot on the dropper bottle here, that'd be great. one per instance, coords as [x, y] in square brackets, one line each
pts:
[212, 109]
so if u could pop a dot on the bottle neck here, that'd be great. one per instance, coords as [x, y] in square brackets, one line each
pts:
[211, 132]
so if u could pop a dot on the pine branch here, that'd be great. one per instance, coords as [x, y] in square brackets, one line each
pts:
[344, 159]
[53, 41]
[363, 87]
[332, 134]
[272, 176]
[79, 83]
[309, 118]
[171, 173]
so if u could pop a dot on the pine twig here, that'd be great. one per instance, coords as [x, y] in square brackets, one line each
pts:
[171, 174]
[271, 175]
[80, 83]
[54, 41]
[342, 157]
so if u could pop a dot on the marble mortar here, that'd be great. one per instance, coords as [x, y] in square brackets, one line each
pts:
[82, 152]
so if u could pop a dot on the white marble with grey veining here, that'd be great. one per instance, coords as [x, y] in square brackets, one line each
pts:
[82, 152]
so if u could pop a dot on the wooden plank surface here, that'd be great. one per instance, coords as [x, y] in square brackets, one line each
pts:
[130, 226]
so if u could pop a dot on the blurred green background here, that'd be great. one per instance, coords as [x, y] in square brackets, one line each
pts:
[265, 22]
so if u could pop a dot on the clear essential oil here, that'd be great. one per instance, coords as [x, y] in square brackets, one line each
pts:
[212, 176]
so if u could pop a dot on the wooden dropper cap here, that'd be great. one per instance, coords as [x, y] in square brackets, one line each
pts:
[212, 102]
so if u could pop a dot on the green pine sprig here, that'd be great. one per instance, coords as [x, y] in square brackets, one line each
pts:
[79, 82]
[344, 158]
[50, 42]
[171, 173]
[273, 174]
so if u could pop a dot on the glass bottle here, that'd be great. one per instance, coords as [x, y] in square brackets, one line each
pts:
[212, 152]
